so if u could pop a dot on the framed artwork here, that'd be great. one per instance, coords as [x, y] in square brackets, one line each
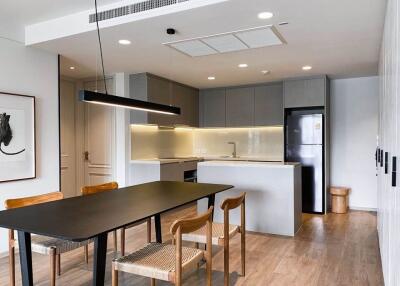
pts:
[17, 137]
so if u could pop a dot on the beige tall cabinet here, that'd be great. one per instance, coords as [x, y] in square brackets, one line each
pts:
[389, 146]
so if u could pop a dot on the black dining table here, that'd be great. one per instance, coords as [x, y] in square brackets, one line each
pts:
[93, 217]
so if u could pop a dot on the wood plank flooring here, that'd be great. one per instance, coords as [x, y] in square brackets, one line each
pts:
[328, 250]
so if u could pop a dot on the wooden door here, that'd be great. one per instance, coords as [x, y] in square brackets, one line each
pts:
[99, 137]
[67, 125]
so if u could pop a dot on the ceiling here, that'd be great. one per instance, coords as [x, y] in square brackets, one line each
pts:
[15, 15]
[340, 38]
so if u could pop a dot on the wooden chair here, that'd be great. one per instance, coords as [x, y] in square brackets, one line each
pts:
[40, 244]
[90, 190]
[169, 262]
[221, 233]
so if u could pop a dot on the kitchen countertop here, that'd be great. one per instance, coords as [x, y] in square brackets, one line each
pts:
[250, 164]
[206, 158]
[167, 160]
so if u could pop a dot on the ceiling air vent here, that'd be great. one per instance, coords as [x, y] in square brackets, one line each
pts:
[133, 9]
[258, 37]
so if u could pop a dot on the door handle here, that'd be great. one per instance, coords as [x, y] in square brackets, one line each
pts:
[86, 155]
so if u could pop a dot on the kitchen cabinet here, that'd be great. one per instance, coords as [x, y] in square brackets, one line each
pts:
[188, 100]
[259, 105]
[144, 171]
[240, 107]
[159, 90]
[268, 105]
[171, 172]
[156, 89]
[305, 92]
[212, 108]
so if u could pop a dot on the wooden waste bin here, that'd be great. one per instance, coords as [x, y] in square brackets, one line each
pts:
[339, 199]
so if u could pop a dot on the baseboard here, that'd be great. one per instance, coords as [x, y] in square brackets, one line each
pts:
[354, 208]
[3, 254]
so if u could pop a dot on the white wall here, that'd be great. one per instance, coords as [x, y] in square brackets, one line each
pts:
[354, 127]
[32, 72]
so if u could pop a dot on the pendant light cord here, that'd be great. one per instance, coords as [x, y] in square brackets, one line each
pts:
[101, 50]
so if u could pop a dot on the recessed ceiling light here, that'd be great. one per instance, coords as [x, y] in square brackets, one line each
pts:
[124, 42]
[307, 68]
[265, 15]
[211, 78]
[265, 72]
[243, 65]
[71, 68]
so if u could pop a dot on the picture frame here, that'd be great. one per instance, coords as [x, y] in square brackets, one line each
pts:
[17, 137]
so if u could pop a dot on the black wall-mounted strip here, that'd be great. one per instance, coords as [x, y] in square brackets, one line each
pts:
[381, 158]
[394, 171]
[386, 162]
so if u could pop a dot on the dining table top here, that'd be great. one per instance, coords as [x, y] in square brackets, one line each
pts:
[84, 217]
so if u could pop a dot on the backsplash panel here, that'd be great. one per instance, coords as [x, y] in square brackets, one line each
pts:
[150, 142]
[263, 142]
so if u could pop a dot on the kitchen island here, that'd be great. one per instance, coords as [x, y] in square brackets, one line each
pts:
[273, 201]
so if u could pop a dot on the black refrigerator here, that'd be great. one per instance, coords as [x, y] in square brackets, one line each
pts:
[305, 144]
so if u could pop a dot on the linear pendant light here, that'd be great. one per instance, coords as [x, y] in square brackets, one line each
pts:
[112, 100]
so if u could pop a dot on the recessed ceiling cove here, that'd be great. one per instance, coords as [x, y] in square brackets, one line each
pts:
[252, 38]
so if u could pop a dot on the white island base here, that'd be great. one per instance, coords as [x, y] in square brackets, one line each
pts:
[273, 201]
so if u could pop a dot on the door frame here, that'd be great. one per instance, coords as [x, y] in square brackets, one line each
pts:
[80, 136]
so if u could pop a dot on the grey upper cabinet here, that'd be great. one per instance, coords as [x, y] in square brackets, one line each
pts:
[188, 100]
[240, 106]
[159, 91]
[152, 88]
[268, 105]
[212, 108]
[305, 92]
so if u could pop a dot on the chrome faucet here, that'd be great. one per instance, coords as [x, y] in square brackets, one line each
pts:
[234, 149]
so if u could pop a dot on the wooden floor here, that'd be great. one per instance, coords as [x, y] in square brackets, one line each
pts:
[328, 250]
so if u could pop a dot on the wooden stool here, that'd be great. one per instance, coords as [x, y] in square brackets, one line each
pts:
[339, 199]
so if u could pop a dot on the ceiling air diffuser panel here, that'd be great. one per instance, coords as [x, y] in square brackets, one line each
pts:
[193, 48]
[258, 38]
[225, 43]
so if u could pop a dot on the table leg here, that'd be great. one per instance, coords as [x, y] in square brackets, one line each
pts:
[25, 255]
[211, 202]
[99, 261]
[157, 223]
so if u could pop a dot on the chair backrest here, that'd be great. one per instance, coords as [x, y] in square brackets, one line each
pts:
[233, 203]
[29, 201]
[230, 204]
[89, 190]
[188, 225]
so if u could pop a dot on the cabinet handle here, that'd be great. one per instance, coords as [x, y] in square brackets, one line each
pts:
[381, 158]
[394, 171]
[386, 162]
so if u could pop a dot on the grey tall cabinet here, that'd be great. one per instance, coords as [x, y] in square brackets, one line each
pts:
[307, 94]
